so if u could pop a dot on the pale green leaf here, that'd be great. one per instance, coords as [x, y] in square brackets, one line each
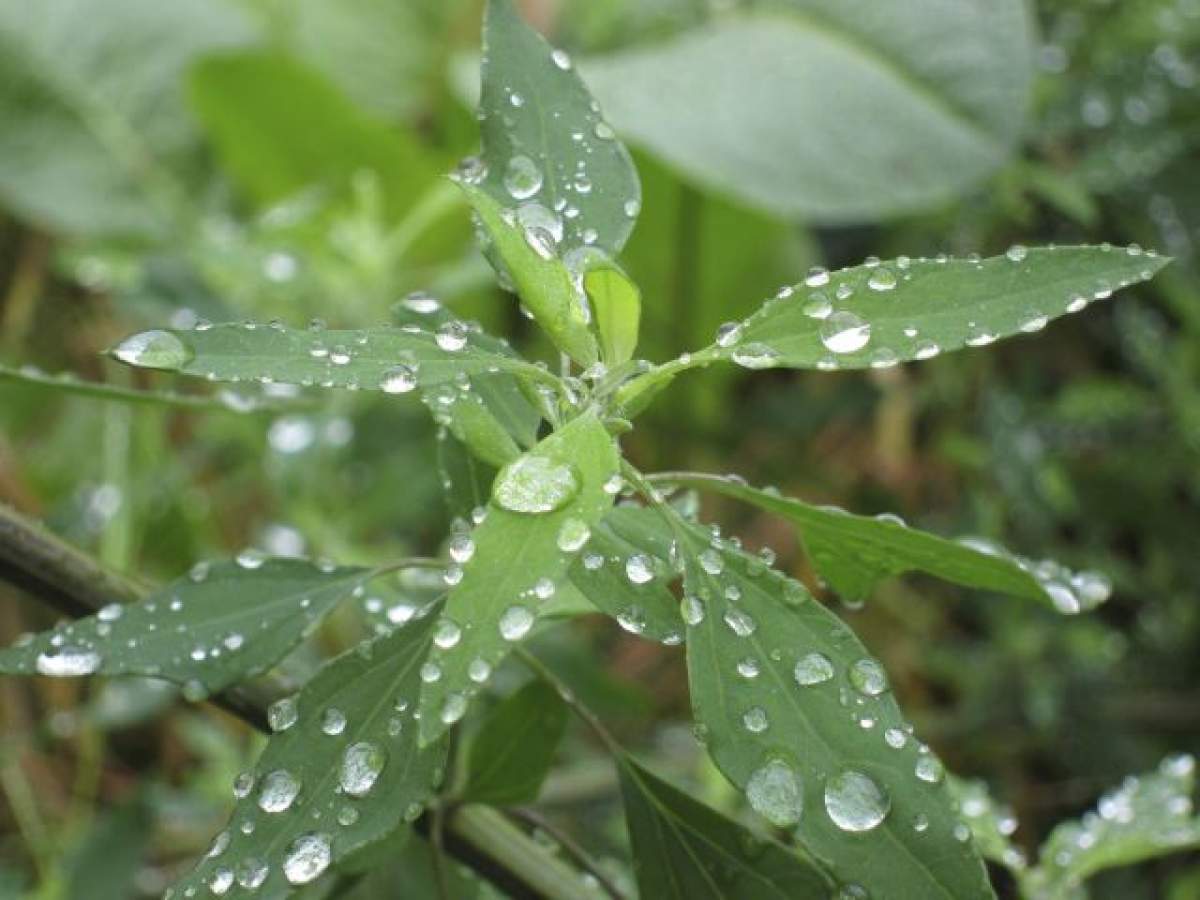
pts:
[214, 627]
[798, 715]
[346, 774]
[544, 141]
[991, 824]
[617, 306]
[540, 503]
[853, 553]
[901, 310]
[837, 110]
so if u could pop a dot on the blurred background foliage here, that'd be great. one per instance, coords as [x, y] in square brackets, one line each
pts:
[170, 162]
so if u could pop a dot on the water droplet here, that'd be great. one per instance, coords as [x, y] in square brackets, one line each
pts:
[220, 881]
[251, 873]
[755, 355]
[68, 662]
[451, 336]
[561, 59]
[638, 569]
[712, 562]
[278, 790]
[333, 721]
[154, 350]
[461, 548]
[728, 334]
[844, 332]
[573, 535]
[111, 612]
[813, 668]
[447, 634]
[398, 380]
[818, 307]
[895, 738]
[515, 623]
[632, 208]
[755, 720]
[817, 277]
[776, 793]
[282, 714]
[307, 857]
[453, 708]
[929, 768]
[430, 672]
[362, 764]
[1016, 253]
[740, 623]
[855, 802]
[926, 350]
[882, 279]
[479, 670]
[522, 178]
[867, 677]
[692, 609]
[535, 484]
[243, 785]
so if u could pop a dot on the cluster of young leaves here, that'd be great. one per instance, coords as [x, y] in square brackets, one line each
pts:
[793, 709]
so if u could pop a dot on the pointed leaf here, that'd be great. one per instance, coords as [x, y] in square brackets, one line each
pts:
[617, 306]
[855, 552]
[915, 309]
[346, 774]
[991, 824]
[541, 503]
[544, 141]
[217, 626]
[541, 278]
[1148, 816]
[515, 747]
[686, 850]
[798, 715]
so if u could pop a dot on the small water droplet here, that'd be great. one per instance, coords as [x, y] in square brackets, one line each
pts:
[282, 714]
[929, 768]
[561, 59]
[515, 623]
[451, 336]
[277, 791]
[154, 350]
[333, 721]
[522, 178]
[868, 677]
[844, 332]
[447, 634]
[362, 764]
[755, 720]
[398, 380]
[855, 802]
[882, 279]
[813, 668]
[755, 355]
[740, 622]
[776, 793]
[1016, 253]
[728, 334]
[306, 858]
[68, 662]
[573, 535]
[638, 569]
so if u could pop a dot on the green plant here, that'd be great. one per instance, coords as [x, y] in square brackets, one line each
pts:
[552, 522]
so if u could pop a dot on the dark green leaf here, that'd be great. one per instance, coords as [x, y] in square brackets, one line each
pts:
[217, 626]
[799, 716]
[515, 747]
[617, 306]
[855, 552]
[345, 775]
[541, 503]
[545, 143]
[685, 850]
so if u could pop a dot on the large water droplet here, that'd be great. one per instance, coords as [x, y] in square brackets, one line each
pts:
[868, 677]
[755, 355]
[154, 350]
[755, 720]
[776, 793]
[361, 765]
[278, 791]
[573, 535]
[307, 857]
[515, 623]
[398, 380]
[844, 332]
[813, 668]
[882, 279]
[522, 178]
[535, 484]
[68, 662]
[855, 802]
[638, 569]
[929, 768]
[282, 714]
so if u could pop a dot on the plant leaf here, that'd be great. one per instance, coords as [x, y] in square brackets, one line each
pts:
[392, 360]
[541, 503]
[617, 306]
[744, 104]
[854, 553]
[799, 716]
[686, 850]
[602, 573]
[545, 143]
[221, 624]
[542, 280]
[1149, 815]
[344, 776]
[92, 115]
[991, 824]
[919, 308]
[515, 747]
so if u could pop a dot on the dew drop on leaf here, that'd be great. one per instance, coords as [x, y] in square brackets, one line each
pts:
[451, 336]
[251, 873]
[855, 802]
[638, 569]
[692, 609]
[447, 634]
[755, 355]
[813, 668]
[868, 677]
[307, 857]
[515, 623]
[929, 768]
[362, 764]
[154, 350]
[282, 714]
[333, 721]
[522, 178]
[844, 332]
[776, 793]
[755, 720]
[278, 791]
[882, 279]
[398, 380]
[728, 334]
[535, 484]
[573, 535]
[67, 662]
[740, 623]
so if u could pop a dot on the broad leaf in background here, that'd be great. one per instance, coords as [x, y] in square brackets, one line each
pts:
[854, 553]
[91, 111]
[617, 307]
[913, 309]
[798, 715]
[686, 850]
[546, 149]
[1149, 815]
[625, 571]
[542, 509]
[343, 774]
[515, 747]
[391, 360]
[220, 624]
[258, 107]
[526, 255]
[831, 110]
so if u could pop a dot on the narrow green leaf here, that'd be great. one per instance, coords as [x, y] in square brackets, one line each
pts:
[686, 850]
[346, 774]
[541, 278]
[799, 716]
[625, 571]
[541, 505]
[744, 104]
[1148, 816]
[545, 145]
[259, 107]
[617, 306]
[991, 824]
[220, 624]
[391, 360]
[902, 310]
[855, 552]
[466, 480]
[515, 747]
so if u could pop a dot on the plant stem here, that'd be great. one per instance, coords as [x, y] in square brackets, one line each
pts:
[74, 583]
